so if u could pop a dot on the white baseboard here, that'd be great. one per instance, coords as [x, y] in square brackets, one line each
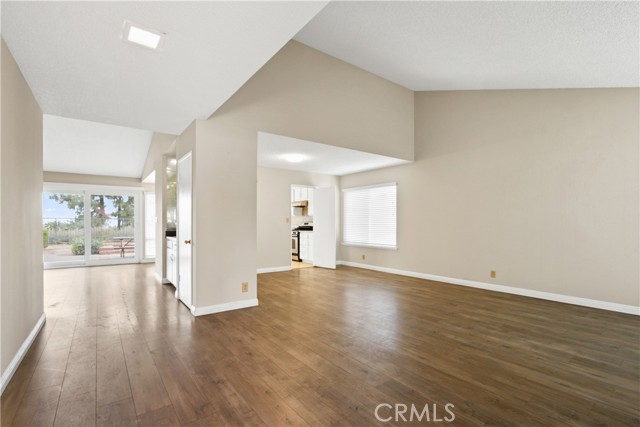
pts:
[22, 351]
[161, 279]
[228, 306]
[274, 269]
[604, 305]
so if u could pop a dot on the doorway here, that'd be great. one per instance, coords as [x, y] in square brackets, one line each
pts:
[313, 232]
[302, 211]
[84, 225]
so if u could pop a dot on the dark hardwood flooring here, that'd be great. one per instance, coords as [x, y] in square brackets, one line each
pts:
[323, 348]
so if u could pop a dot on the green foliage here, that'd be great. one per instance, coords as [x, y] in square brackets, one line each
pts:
[107, 220]
[124, 210]
[45, 237]
[77, 247]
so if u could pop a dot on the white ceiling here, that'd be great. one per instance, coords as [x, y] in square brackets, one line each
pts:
[318, 158]
[78, 146]
[77, 66]
[484, 45]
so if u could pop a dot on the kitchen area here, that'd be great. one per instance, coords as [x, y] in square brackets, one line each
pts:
[302, 210]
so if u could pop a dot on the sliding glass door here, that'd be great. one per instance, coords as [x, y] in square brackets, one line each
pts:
[90, 227]
[63, 233]
[112, 227]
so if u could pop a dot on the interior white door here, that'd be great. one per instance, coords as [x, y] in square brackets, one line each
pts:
[324, 228]
[185, 185]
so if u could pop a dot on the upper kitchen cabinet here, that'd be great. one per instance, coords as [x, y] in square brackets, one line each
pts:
[301, 193]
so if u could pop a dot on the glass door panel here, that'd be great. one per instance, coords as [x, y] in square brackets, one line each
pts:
[149, 225]
[112, 227]
[63, 236]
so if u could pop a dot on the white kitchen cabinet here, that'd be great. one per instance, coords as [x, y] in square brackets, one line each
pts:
[172, 260]
[300, 193]
[297, 194]
[306, 245]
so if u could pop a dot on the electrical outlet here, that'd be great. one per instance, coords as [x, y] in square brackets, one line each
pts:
[493, 274]
[363, 257]
[245, 286]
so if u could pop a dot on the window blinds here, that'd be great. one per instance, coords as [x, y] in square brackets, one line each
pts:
[370, 216]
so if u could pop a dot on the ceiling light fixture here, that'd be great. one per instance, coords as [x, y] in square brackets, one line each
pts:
[136, 34]
[294, 157]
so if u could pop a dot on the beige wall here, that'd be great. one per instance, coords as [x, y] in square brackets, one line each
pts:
[2, 179]
[299, 93]
[540, 185]
[21, 216]
[160, 145]
[76, 178]
[304, 93]
[224, 211]
[274, 210]
[186, 141]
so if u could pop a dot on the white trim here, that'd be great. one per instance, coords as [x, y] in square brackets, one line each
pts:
[161, 279]
[384, 184]
[227, 306]
[61, 187]
[103, 263]
[274, 269]
[22, 351]
[367, 245]
[86, 191]
[585, 302]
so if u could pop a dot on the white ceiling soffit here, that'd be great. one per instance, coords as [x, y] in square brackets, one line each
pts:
[78, 146]
[484, 45]
[283, 152]
[75, 62]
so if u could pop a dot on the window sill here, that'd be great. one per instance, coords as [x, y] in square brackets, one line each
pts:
[364, 245]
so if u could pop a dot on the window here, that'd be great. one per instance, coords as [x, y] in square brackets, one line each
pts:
[370, 216]
[90, 225]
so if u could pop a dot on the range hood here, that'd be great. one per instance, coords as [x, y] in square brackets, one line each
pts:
[299, 204]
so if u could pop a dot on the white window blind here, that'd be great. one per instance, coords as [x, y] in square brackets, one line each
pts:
[370, 216]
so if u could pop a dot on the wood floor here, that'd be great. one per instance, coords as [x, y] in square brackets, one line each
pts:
[323, 348]
[299, 264]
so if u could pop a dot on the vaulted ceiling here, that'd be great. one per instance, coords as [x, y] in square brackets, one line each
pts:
[455, 45]
[76, 63]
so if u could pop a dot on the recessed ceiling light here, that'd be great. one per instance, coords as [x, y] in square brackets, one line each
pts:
[134, 33]
[294, 157]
